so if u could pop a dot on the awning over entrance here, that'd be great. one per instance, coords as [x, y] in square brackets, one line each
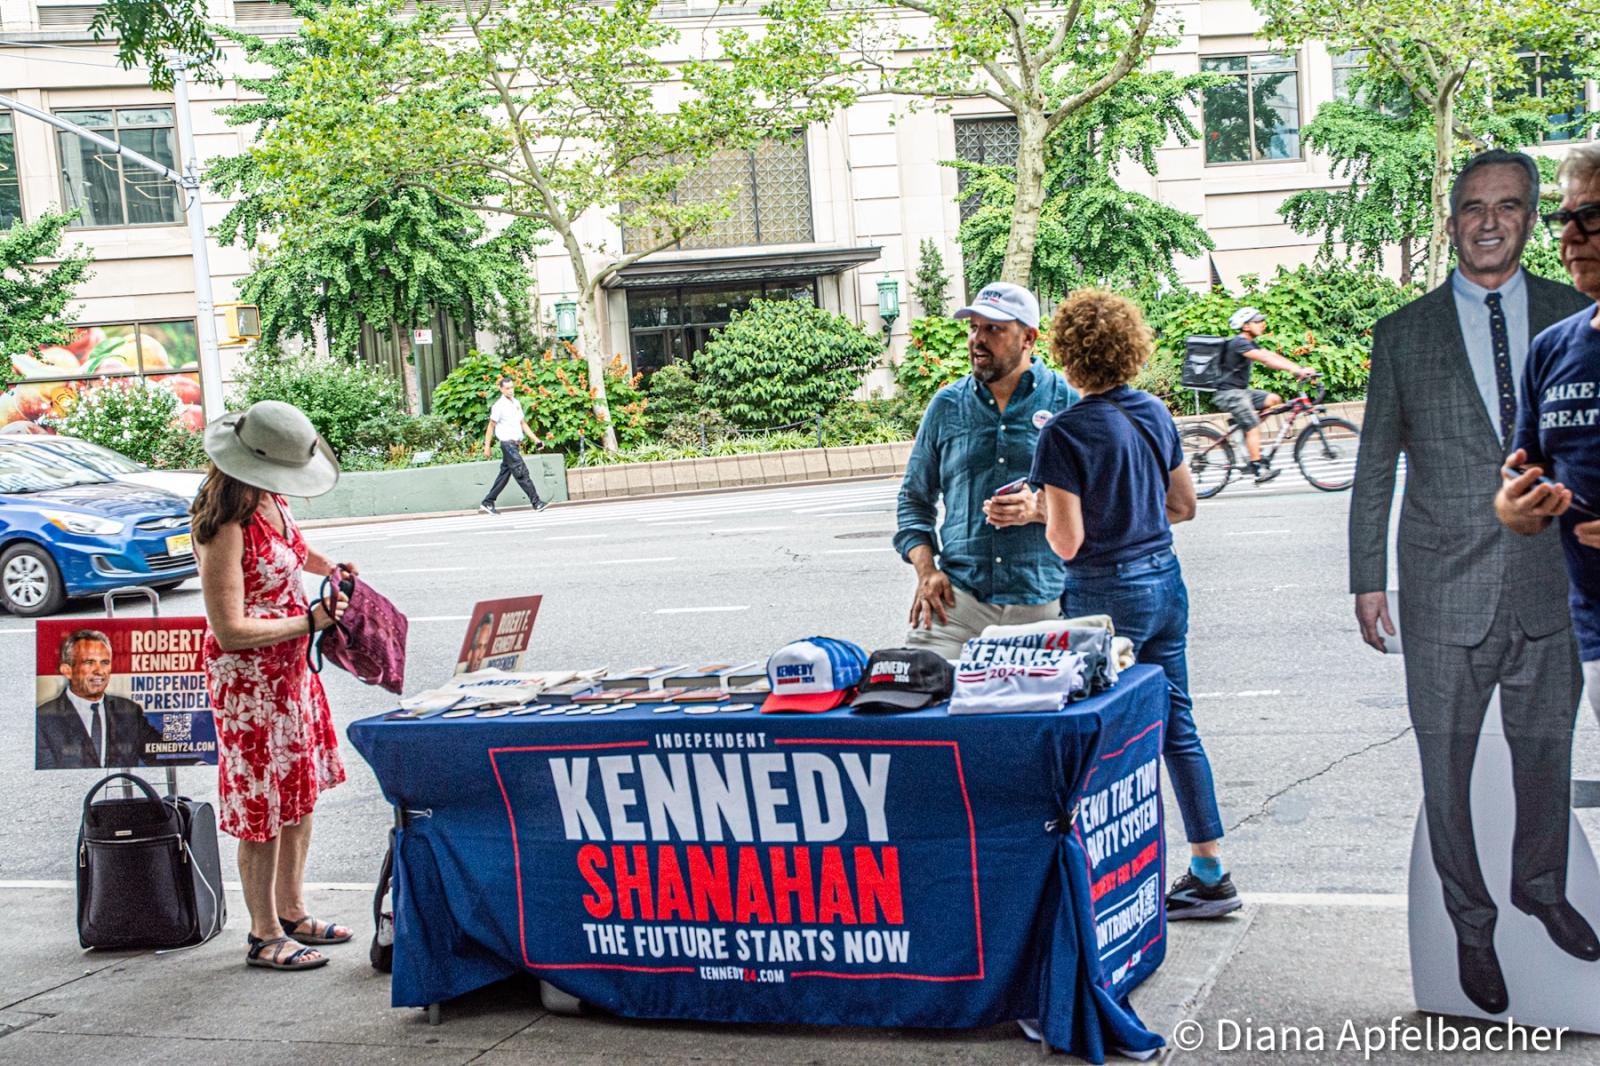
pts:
[743, 266]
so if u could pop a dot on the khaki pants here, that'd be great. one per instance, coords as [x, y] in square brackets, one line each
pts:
[971, 616]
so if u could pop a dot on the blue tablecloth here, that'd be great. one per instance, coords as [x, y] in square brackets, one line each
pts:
[891, 870]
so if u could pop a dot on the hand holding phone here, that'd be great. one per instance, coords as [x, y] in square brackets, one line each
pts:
[1011, 487]
[1514, 471]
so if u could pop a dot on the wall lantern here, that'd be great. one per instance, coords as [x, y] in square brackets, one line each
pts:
[888, 303]
[566, 320]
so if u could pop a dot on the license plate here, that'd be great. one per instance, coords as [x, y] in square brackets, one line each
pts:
[180, 544]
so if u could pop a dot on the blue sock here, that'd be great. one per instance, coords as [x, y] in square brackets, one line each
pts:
[1209, 871]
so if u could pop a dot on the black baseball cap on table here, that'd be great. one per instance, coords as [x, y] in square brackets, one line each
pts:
[904, 679]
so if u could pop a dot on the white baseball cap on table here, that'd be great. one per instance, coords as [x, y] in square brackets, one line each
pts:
[1003, 302]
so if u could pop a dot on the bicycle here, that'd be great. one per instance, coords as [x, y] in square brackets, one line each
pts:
[1325, 449]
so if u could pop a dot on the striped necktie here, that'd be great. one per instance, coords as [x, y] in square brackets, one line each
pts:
[1501, 338]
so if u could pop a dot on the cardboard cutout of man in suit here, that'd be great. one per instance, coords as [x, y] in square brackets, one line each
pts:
[84, 727]
[1480, 606]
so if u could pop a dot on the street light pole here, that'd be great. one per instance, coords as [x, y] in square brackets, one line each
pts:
[189, 182]
[199, 257]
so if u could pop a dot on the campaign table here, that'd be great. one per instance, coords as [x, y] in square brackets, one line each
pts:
[915, 870]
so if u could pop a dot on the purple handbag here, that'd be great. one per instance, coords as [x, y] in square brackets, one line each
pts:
[368, 640]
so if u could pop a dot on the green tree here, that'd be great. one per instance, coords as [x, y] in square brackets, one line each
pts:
[388, 255]
[37, 282]
[545, 110]
[1043, 63]
[1091, 230]
[1459, 63]
[1388, 159]
[147, 30]
[932, 282]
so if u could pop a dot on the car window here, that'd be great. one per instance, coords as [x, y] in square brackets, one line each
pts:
[101, 460]
[22, 470]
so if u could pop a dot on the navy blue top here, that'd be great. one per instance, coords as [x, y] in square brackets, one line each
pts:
[1093, 452]
[1557, 425]
[966, 448]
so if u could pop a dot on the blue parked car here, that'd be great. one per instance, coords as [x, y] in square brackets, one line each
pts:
[66, 530]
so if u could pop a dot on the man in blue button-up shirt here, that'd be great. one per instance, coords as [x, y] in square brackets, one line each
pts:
[988, 563]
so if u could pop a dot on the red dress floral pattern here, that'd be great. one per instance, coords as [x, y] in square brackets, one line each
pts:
[276, 745]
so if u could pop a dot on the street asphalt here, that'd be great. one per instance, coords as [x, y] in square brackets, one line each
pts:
[1306, 728]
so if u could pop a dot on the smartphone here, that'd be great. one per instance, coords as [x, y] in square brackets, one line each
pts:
[1011, 486]
[1579, 504]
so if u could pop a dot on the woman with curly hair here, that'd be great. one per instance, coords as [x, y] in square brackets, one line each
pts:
[1114, 482]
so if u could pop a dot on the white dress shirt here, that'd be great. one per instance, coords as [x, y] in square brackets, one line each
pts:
[85, 709]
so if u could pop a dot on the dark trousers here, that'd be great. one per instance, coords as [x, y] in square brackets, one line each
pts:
[1149, 604]
[1448, 689]
[512, 466]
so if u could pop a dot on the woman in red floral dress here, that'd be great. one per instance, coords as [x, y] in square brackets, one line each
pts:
[276, 745]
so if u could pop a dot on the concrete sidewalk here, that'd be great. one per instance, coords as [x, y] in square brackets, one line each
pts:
[1283, 962]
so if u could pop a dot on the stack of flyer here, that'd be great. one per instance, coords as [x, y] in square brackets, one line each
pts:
[498, 688]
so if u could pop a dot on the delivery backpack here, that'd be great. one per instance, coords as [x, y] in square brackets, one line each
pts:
[149, 871]
[1202, 362]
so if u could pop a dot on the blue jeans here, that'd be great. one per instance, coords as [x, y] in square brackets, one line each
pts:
[1148, 603]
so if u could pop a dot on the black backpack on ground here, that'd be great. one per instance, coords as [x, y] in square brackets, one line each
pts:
[149, 871]
[1203, 362]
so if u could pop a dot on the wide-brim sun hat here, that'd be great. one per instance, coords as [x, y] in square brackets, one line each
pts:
[272, 445]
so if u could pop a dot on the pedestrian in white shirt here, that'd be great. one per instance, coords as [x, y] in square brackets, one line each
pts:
[508, 425]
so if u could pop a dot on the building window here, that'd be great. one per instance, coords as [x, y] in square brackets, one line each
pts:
[772, 204]
[991, 141]
[1552, 78]
[106, 189]
[10, 187]
[1256, 114]
[665, 325]
[1346, 65]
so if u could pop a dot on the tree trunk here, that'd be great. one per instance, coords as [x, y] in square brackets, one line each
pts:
[590, 349]
[1018, 266]
[1406, 252]
[408, 370]
[1444, 144]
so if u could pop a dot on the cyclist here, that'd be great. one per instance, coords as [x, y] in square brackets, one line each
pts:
[1234, 394]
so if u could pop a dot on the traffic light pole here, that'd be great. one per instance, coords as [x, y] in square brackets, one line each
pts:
[189, 182]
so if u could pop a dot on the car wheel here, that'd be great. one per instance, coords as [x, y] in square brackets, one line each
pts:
[30, 584]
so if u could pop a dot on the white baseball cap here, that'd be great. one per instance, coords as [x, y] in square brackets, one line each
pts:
[1003, 302]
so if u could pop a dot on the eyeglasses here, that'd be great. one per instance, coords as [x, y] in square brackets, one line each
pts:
[1587, 217]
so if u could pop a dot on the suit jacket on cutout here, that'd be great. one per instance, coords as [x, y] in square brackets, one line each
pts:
[62, 743]
[1455, 560]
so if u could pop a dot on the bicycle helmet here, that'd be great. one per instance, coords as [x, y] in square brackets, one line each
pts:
[1240, 317]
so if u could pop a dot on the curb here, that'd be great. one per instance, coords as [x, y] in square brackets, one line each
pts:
[369, 520]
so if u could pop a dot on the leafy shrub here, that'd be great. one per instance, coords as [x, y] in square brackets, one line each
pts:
[673, 395]
[181, 451]
[936, 356]
[1319, 315]
[871, 422]
[134, 417]
[784, 361]
[354, 407]
[555, 399]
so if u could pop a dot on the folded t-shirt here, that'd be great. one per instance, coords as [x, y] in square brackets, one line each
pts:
[1001, 677]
